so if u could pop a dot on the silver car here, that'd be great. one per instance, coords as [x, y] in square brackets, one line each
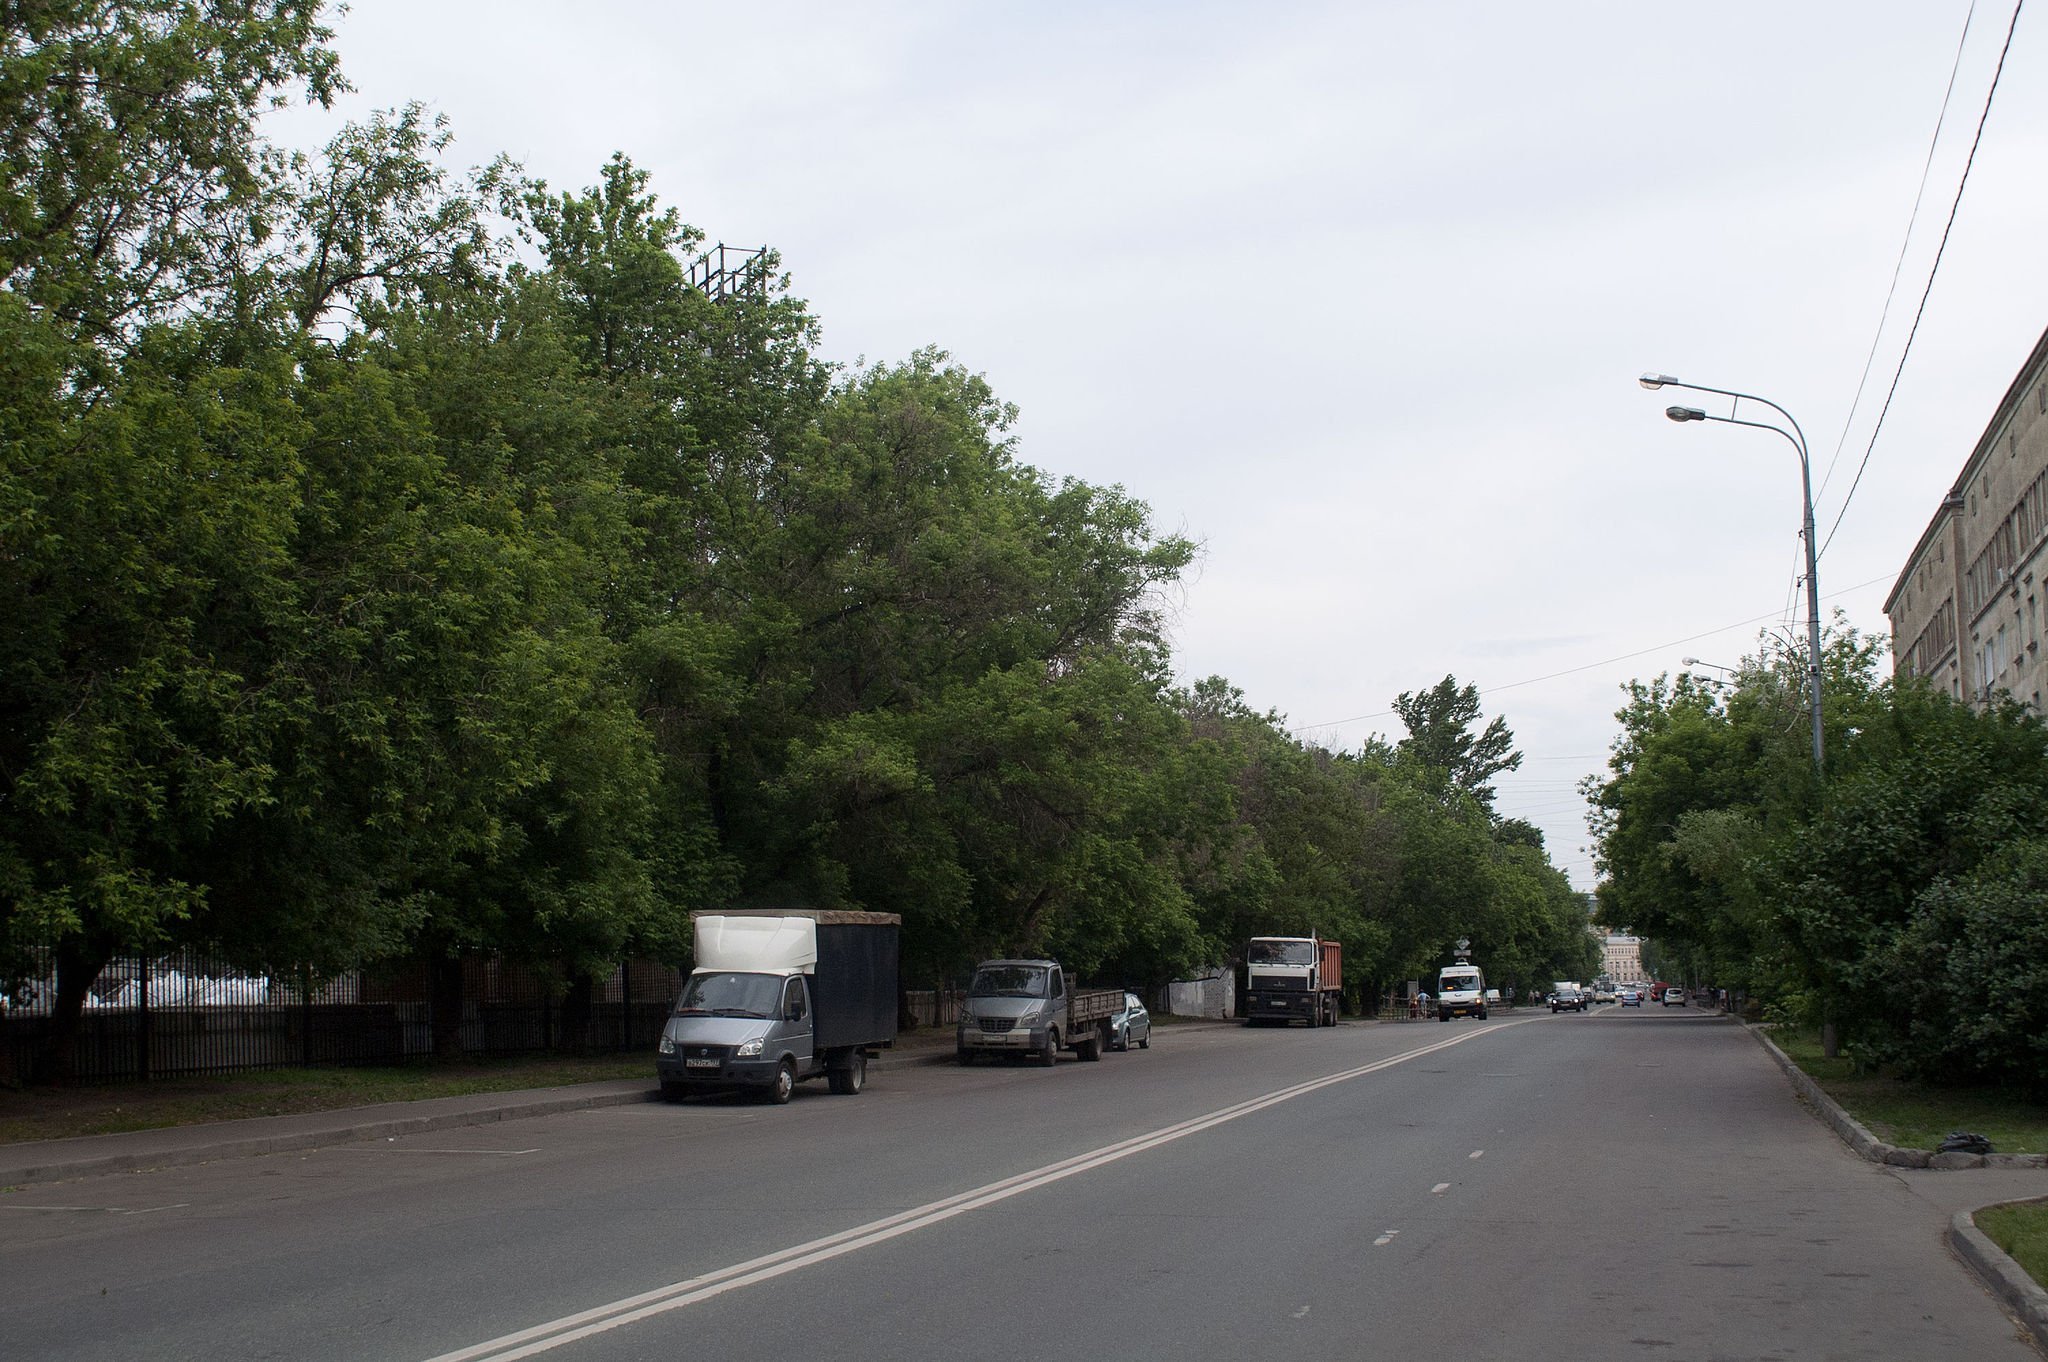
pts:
[1132, 1025]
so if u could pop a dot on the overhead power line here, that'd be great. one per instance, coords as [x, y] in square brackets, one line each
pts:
[1898, 267]
[1604, 662]
[1932, 270]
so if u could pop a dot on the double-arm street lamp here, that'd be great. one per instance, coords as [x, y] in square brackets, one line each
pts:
[1798, 439]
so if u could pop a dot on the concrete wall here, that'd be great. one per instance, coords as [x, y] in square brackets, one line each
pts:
[1212, 995]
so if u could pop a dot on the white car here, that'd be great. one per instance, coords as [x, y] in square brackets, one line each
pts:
[1674, 995]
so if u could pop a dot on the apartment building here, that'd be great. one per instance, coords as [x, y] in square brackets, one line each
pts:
[1967, 610]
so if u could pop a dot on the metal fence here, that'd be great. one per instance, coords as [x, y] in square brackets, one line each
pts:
[182, 1014]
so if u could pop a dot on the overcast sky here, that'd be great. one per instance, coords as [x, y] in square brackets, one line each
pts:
[1356, 294]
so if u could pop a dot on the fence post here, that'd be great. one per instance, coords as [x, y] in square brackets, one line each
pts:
[142, 1023]
[306, 1016]
[626, 1003]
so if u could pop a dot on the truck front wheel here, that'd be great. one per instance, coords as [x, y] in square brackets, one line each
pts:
[1050, 1055]
[784, 1086]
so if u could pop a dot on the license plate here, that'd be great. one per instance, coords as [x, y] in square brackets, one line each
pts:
[700, 1064]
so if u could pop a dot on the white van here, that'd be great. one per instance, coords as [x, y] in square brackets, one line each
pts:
[1460, 992]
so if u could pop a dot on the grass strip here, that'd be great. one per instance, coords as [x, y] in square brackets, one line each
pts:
[1918, 1115]
[59, 1113]
[2021, 1229]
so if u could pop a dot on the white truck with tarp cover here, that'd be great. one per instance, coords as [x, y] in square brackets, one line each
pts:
[781, 995]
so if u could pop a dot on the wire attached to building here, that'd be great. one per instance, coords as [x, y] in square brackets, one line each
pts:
[1932, 270]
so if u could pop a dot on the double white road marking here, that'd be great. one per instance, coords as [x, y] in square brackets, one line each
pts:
[676, 1296]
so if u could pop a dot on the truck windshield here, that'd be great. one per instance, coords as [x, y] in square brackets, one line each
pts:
[1007, 981]
[1281, 953]
[1463, 983]
[731, 995]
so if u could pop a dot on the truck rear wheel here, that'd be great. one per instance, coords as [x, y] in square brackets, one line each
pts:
[851, 1077]
[1091, 1048]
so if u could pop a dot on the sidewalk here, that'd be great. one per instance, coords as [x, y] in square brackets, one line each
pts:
[137, 1150]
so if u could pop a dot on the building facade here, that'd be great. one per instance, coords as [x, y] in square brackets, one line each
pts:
[1621, 958]
[1966, 612]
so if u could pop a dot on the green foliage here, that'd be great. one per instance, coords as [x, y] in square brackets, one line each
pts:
[367, 594]
[135, 173]
[1881, 901]
[1440, 742]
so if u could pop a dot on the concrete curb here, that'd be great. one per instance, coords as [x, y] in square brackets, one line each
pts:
[1868, 1146]
[2006, 1278]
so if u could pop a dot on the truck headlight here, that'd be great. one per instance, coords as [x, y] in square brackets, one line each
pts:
[668, 1045]
[750, 1049]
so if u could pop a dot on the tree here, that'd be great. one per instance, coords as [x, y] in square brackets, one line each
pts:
[1838, 902]
[135, 170]
[144, 550]
[1440, 740]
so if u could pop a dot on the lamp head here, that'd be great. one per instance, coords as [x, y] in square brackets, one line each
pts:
[1690, 661]
[1685, 413]
[1655, 381]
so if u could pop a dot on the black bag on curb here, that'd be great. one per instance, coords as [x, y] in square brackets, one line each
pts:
[1963, 1142]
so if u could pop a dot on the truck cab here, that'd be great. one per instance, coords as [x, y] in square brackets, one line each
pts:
[739, 1027]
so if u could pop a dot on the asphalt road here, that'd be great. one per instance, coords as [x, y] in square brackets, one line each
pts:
[1623, 1184]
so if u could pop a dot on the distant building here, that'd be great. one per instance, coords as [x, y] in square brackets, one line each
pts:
[1621, 958]
[1966, 611]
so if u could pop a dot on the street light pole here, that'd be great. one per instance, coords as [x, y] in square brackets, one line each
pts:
[1798, 439]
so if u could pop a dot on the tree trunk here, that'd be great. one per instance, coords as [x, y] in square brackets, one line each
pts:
[576, 1012]
[1830, 1043]
[445, 992]
[79, 962]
